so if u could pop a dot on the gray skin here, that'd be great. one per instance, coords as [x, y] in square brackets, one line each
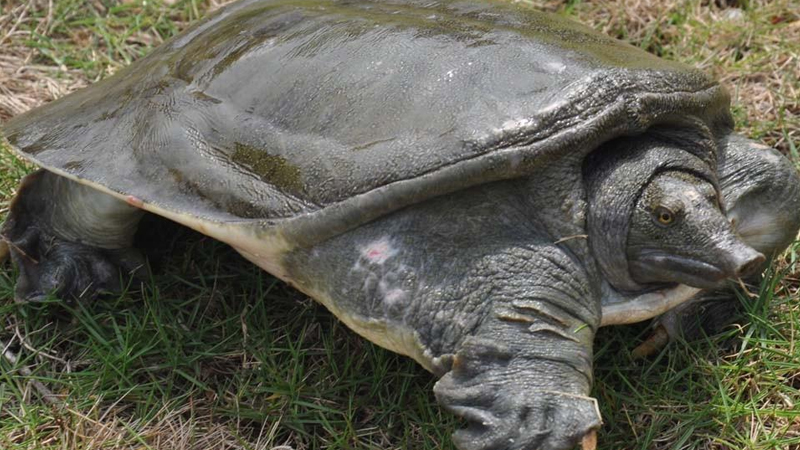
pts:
[471, 184]
[760, 189]
[671, 237]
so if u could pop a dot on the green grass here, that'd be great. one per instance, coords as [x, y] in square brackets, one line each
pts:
[214, 353]
[223, 343]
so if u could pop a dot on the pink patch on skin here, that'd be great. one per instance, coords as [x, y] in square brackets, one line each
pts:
[134, 201]
[378, 252]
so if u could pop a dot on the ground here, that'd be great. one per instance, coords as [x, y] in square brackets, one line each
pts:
[213, 353]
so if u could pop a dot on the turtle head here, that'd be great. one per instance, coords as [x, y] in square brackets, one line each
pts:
[678, 233]
[655, 215]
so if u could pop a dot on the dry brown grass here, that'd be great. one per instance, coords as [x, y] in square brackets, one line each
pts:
[109, 427]
[27, 79]
[25, 84]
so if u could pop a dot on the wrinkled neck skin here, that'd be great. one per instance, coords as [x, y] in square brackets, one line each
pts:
[656, 219]
[679, 234]
[761, 194]
[615, 176]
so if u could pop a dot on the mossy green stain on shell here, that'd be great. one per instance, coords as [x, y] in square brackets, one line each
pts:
[241, 50]
[273, 169]
[177, 175]
[74, 165]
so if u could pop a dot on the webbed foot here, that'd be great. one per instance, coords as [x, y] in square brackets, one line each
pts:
[49, 265]
[71, 267]
[509, 407]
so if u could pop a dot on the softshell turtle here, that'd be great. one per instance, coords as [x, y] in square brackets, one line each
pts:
[476, 185]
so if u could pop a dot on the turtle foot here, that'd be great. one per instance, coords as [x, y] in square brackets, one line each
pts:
[507, 409]
[70, 271]
[69, 240]
[49, 265]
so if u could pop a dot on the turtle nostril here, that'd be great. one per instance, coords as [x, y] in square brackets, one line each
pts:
[750, 265]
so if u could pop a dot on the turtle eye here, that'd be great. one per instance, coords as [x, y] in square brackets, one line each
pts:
[664, 216]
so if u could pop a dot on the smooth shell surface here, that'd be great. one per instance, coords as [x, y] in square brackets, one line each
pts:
[308, 118]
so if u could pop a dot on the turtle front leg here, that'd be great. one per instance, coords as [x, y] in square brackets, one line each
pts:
[761, 191]
[522, 379]
[69, 240]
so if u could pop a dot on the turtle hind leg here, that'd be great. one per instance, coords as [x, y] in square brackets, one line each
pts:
[69, 240]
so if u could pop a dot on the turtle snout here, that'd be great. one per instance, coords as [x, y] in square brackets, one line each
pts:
[745, 261]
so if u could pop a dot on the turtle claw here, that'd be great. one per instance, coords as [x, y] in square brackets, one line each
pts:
[589, 441]
[4, 251]
[706, 314]
[657, 340]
